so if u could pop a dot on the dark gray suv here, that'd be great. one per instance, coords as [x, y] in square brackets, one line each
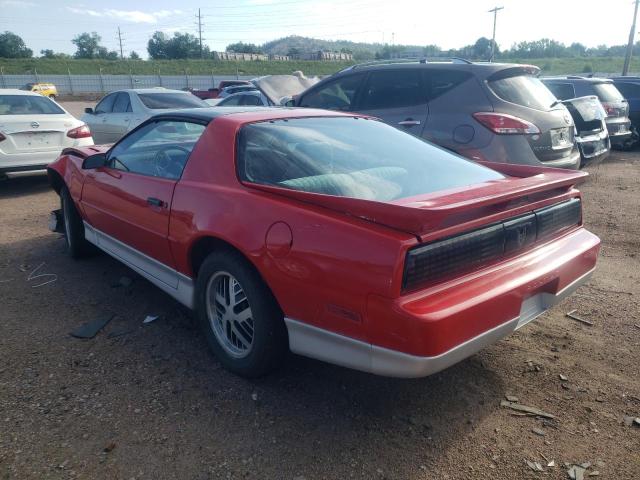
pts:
[484, 111]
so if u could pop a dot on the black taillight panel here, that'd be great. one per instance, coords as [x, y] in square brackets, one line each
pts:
[442, 259]
[558, 217]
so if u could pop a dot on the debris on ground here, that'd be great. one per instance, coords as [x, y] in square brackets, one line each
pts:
[525, 409]
[576, 472]
[150, 318]
[535, 466]
[109, 447]
[45, 278]
[91, 329]
[572, 316]
[564, 378]
[538, 431]
[512, 398]
[631, 421]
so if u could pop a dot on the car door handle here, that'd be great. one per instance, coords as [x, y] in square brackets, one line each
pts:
[409, 122]
[156, 202]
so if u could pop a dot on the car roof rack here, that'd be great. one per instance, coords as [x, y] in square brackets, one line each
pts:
[391, 61]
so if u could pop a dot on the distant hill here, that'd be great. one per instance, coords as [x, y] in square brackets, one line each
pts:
[360, 51]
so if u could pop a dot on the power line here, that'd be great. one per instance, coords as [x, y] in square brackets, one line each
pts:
[495, 11]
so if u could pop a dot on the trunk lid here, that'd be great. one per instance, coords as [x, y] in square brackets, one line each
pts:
[280, 88]
[34, 133]
[587, 113]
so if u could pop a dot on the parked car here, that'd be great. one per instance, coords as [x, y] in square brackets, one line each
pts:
[123, 110]
[203, 94]
[333, 235]
[247, 98]
[230, 83]
[34, 130]
[484, 111]
[225, 92]
[629, 87]
[617, 108]
[591, 130]
[44, 89]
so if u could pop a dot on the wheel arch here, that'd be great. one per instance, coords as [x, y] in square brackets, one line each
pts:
[55, 180]
[203, 246]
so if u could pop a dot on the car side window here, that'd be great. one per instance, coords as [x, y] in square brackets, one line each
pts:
[251, 100]
[440, 82]
[339, 94]
[231, 101]
[393, 89]
[563, 91]
[159, 149]
[122, 103]
[106, 104]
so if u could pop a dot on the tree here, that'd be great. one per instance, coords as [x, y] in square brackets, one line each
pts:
[88, 46]
[181, 45]
[482, 48]
[241, 47]
[48, 53]
[134, 55]
[12, 46]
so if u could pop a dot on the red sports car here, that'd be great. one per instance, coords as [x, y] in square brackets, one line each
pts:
[330, 235]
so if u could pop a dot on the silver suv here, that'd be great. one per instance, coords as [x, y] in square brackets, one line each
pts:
[484, 111]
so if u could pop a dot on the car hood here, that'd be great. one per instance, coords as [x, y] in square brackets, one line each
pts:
[433, 211]
[279, 88]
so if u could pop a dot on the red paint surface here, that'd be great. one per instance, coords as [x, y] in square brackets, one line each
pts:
[342, 268]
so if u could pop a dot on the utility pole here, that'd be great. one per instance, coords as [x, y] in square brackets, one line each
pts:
[120, 42]
[495, 11]
[627, 56]
[200, 31]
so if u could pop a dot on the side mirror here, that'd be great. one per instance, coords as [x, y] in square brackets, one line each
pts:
[290, 103]
[89, 110]
[94, 161]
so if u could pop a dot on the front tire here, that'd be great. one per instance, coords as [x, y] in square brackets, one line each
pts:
[77, 245]
[239, 316]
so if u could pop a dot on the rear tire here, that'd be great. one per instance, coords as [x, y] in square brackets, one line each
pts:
[239, 316]
[77, 245]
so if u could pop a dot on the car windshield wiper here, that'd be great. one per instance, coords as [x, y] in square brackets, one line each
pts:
[557, 102]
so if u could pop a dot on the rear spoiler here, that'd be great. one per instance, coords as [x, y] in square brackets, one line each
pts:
[427, 213]
[514, 72]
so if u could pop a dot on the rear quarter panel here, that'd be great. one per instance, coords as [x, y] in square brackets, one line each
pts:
[333, 263]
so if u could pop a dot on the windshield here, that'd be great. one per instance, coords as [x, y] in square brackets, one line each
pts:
[166, 100]
[523, 90]
[350, 157]
[607, 92]
[28, 105]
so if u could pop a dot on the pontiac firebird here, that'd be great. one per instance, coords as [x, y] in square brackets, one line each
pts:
[329, 235]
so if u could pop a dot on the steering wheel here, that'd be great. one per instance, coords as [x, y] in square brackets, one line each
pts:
[163, 163]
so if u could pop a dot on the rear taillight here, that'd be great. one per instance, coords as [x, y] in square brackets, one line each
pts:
[610, 109]
[79, 132]
[503, 124]
[443, 259]
[2, 137]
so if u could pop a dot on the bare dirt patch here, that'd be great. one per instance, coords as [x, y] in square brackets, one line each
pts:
[149, 401]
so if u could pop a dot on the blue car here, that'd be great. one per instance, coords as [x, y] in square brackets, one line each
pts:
[630, 89]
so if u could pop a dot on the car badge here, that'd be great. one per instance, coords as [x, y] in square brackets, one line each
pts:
[35, 124]
[567, 119]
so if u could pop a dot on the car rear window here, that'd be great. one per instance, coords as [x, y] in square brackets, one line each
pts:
[628, 90]
[563, 91]
[350, 157]
[28, 105]
[607, 92]
[163, 101]
[523, 90]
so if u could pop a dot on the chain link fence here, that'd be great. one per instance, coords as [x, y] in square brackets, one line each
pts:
[101, 84]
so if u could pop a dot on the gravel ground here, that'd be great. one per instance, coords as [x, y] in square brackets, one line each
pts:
[149, 401]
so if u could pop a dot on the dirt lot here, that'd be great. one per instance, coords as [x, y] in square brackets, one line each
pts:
[151, 402]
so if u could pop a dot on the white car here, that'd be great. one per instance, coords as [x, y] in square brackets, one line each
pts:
[123, 110]
[34, 130]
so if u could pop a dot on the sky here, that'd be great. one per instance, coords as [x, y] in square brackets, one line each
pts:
[46, 24]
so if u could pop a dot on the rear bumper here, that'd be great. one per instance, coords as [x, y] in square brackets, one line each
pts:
[428, 331]
[517, 149]
[594, 148]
